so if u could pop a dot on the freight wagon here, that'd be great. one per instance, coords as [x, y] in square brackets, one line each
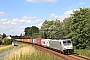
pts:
[31, 41]
[62, 45]
[34, 41]
[39, 41]
[45, 42]
[26, 40]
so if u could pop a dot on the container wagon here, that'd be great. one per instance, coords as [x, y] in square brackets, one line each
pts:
[26, 40]
[39, 41]
[31, 41]
[34, 41]
[45, 42]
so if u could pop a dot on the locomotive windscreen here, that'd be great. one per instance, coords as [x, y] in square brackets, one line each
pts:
[68, 42]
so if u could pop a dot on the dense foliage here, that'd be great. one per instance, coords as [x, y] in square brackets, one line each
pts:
[50, 29]
[31, 32]
[0, 42]
[80, 29]
[4, 35]
[7, 41]
[75, 27]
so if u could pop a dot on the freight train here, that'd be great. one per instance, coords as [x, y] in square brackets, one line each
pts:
[62, 45]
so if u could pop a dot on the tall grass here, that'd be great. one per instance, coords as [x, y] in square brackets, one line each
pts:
[40, 56]
[29, 53]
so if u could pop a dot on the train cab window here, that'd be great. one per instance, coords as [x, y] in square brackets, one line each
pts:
[64, 42]
[68, 42]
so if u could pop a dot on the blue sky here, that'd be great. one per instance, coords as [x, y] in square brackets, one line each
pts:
[15, 15]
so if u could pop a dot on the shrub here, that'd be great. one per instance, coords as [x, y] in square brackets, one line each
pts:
[0, 42]
[7, 41]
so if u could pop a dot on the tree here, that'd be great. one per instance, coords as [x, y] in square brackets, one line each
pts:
[79, 28]
[7, 41]
[4, 35]
[45, 30]
[30, 31]
[51, 29]
[66, 26]
[0, 42]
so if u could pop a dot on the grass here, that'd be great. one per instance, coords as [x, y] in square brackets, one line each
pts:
[83, 52]
[5, 48]
[40, 56]
[29, 53]
[20, 44]
[2, 46]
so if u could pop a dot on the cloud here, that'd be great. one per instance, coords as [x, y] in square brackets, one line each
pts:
[26, 17]
[82, 3]
[41, 1]
[1, 13]
[16, 26]
[62, 17]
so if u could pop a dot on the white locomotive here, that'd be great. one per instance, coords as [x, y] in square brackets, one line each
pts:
[65, 45]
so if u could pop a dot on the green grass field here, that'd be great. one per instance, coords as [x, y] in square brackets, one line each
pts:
[83, 52]
[6, 49]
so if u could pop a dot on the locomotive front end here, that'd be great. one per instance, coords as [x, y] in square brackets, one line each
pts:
[68, 46]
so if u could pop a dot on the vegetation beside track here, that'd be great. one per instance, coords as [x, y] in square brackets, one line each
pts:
[27, 52]
[4, 48]
[83, 52]
[20, 44]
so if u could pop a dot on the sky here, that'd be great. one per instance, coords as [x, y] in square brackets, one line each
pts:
[16, 15]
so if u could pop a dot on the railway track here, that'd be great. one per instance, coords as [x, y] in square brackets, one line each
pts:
[52, 53]
[58, 56]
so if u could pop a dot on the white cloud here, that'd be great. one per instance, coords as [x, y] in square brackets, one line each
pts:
[82, 3]
[16, 26]
[41, 1]
[62, 17]
[26, 17]
[1, 13]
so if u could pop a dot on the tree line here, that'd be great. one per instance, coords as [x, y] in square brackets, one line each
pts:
[75, 27]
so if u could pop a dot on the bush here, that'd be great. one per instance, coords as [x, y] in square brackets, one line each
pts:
[7, 41]
[0, 42]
